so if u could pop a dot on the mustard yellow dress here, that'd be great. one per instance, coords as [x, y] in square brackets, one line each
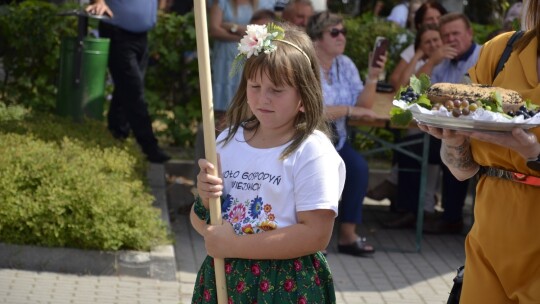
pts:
[503, 247]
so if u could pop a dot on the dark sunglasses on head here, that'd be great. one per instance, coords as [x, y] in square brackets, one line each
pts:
[335, 32]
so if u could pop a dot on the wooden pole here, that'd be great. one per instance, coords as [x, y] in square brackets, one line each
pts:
[205, 82]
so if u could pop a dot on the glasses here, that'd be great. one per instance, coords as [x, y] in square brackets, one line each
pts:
[335, 32]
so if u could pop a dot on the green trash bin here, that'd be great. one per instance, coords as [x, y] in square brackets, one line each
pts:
[83, 67]
[81, 87]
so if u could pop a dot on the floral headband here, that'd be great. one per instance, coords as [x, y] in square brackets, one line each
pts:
[259, 39]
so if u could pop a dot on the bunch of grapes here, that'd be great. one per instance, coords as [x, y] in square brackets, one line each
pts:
[409, 95]
[457, 107]
[526, 113]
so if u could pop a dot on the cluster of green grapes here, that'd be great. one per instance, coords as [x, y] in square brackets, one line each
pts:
[457, 107]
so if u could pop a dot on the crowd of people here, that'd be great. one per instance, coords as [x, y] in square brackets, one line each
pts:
[286, 113]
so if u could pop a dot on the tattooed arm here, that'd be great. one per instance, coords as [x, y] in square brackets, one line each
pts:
[458, 158]
[455, 152]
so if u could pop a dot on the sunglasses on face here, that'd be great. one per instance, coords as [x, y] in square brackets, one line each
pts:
[335, 32]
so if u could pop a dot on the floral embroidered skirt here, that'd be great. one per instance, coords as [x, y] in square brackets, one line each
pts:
[305, 279]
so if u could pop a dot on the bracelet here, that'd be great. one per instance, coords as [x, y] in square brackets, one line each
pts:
[348, 112]
[200, 210]
[372, 81]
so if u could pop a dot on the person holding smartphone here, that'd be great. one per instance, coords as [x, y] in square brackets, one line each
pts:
[345, 96]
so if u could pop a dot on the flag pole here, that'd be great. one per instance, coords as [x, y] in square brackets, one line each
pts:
[205, 83]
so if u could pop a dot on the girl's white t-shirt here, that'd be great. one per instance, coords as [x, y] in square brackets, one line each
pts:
[263, 192]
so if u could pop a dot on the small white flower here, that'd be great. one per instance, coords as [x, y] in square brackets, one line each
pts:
[256, 41]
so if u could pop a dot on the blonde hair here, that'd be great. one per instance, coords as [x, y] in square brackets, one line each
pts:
[532, 24]
[288, 66]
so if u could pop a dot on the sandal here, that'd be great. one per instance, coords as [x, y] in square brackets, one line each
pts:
[359, 248]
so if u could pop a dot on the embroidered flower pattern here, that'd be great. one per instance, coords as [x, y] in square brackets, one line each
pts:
[227, 203]
[256, 206]
[249, 217]
[267, 225]
[237, 214]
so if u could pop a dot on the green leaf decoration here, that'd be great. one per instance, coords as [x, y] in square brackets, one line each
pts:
[237, 65]
[498, 101]
[425, 83]
[530, 105]
[421, 84]
[415, 84]
[276, 30]
[489, 104]
[424, 101]
[400, 117]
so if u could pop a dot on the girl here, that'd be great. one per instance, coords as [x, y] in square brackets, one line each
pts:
[281, 179]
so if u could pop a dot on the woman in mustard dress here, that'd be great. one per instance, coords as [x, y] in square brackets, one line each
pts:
[503, 247]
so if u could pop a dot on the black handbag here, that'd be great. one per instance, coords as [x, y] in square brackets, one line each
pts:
[455, 293]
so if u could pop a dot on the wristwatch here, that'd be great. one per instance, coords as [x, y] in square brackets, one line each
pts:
[234, 28]
[534, 164]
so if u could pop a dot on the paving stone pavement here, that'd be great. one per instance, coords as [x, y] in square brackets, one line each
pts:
[395, 274]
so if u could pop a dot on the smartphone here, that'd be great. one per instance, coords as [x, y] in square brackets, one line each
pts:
[379, 48]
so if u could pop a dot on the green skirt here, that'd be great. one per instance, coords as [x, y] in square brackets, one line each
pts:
[305, 279]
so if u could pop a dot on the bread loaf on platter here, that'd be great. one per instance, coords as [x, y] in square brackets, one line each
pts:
[441, 92]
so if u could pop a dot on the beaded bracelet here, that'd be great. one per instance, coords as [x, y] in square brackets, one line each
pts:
[202, 213]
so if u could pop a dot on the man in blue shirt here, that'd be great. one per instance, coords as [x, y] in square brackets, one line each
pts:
[452, 65]
[128, 55]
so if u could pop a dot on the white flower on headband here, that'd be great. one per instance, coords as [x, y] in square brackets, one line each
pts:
[258, 39]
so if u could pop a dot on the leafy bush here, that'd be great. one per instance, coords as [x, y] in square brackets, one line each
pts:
[172, 82]
[9, 113]
[72, 185]
[481, 32]
[30, 41]
[90, 133]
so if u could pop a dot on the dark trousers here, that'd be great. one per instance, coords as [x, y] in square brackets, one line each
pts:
[356, 183]
[128, 56]
[454, 191]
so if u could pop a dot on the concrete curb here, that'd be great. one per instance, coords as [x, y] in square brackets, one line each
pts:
[158, 264]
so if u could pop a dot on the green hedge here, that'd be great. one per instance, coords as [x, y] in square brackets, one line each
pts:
[65, 184]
